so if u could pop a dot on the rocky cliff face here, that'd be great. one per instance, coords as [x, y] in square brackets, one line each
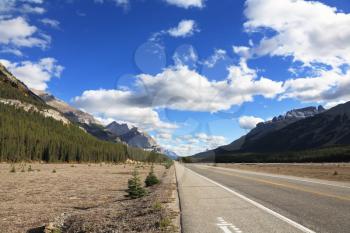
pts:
[282, 121]
[136, 138]
[29, 107]
[71, 113]
[132, 136]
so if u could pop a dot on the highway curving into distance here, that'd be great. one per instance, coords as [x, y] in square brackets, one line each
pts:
[215, 199]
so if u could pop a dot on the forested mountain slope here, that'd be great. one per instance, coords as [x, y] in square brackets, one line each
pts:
[28, 135]
[320, 137]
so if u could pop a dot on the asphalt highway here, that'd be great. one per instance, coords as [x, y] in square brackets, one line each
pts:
[215, 199]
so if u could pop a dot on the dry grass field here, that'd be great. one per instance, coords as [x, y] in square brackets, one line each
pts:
[335, 172]
[82, 198]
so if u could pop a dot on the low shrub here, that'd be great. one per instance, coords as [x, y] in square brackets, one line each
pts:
[13, 169]
[169, 164]
[151, 179]
[30, 169]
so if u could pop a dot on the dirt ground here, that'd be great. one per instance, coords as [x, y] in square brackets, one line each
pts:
[335, 172]
[82, 198]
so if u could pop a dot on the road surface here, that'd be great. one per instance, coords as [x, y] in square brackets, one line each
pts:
[215, 199]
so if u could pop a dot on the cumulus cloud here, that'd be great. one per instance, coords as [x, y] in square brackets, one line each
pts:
[28, 9]
[180, 88]
[21, 6]
[122, 106]
[185, 28]
[177, 88]
[249, 122]
[190, 144]
[315, 35]
[327, 86]
[187, 3]
[17, 32]
[309, 31]
[35, 75]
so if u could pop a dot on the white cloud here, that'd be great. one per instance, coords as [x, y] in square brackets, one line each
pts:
[242, 51]
[186, 3]
[185, 55]
[180, 88]
[327, 87]
[28, 9]
[185, 145]
[177, 88]
[16, 52]
[121, 106]
[185, 28]
[309, 31]
[35, 75]
[51, 22]
[21, 6]
[219, 54]
[122, 3]
[249, 122]
[17, 32]
[315, 35]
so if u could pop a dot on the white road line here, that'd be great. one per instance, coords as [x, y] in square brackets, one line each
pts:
[225, 226]
[225, 229]
[277, 215]
[281, 177]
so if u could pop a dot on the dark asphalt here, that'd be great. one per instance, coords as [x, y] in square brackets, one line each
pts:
[317, 206]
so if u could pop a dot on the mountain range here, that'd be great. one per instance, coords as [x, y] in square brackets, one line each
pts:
[114, 132]
[16, 94]
[298, 130]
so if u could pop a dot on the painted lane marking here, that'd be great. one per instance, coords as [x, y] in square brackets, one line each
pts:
[256, 204]
[278, 176]
[225, 226]
[288, 186]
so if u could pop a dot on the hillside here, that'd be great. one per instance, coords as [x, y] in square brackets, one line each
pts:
[114, 132]
[83, 119]
[29, 133]
[330, 128]
[320, 136]
[12, 88]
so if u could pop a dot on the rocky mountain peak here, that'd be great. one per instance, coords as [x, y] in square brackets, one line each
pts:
[132, 136]
[296, 114]
[71, 113]
[119, 129]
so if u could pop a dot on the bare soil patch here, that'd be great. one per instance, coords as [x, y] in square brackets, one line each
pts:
[334, 172]
[82, 198]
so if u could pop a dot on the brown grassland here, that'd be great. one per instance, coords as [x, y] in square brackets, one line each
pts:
[83, 198]
[327, 171]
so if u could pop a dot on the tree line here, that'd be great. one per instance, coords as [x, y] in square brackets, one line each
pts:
[29, 136]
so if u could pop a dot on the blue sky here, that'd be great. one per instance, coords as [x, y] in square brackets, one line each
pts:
[195, 74]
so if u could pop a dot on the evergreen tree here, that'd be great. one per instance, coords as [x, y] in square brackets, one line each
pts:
[151, 179]
[135, 188]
